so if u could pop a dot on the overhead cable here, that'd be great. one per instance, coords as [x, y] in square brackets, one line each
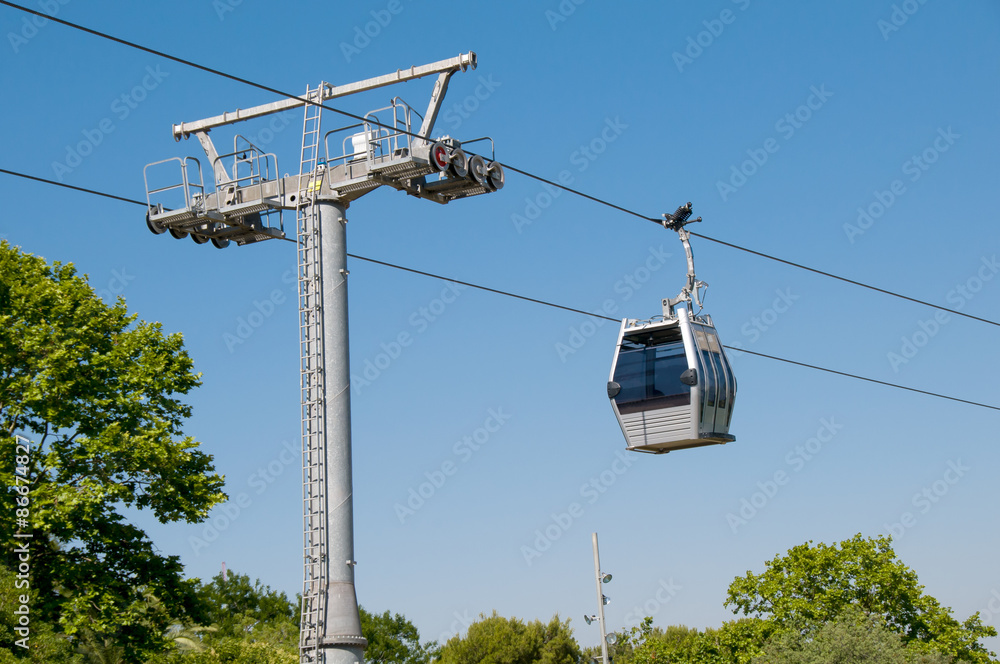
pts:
[510, 167]
[544, 302]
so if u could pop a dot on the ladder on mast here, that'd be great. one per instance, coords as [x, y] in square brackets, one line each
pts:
[312, 381]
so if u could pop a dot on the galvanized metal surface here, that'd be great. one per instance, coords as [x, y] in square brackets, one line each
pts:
[328, 91]
[240, 206]
[314, 536]
[341, 627]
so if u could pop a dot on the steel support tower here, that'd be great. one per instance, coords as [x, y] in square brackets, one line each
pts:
[244, 203]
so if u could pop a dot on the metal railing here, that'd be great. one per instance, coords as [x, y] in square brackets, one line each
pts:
[186, 185]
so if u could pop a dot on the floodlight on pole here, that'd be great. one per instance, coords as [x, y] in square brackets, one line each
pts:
[602, 600]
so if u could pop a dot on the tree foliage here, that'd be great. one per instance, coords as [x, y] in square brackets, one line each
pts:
[235, 603]
[98, 394]
[498, 640]
[853, 637]
[392, 639]
[249, 623]
[816, 584]
[44, 643]
[735, 642]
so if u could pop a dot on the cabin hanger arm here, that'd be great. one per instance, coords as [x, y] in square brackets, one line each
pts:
[694, 288]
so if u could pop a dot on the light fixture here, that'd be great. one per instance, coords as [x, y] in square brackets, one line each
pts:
[605, 599]
[590, 619]
[612, 639]
[605, 578]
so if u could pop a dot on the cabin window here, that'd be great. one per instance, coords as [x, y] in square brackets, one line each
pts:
[651, 372]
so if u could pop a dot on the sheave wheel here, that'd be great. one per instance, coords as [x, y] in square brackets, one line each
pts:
[153, 226]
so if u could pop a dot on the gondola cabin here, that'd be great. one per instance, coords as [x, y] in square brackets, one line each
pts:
[671, 386]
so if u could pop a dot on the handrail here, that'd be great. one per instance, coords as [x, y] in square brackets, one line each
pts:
[185, 184]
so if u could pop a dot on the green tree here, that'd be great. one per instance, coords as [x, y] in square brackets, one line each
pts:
[237, 605]
[44, 644]
[736, 642]
[250, 624]
[499, 640]
[816, 584]
[392, 639]
[853, 637]
[98, 394]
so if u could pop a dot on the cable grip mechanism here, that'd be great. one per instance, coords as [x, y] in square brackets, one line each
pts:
[694, 289]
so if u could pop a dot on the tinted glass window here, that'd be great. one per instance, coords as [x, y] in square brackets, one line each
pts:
[670, 364]
[630, 373]
[650, 372]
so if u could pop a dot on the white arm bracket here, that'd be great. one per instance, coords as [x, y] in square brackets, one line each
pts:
[221, 175]
[433, 108]
[459, 63]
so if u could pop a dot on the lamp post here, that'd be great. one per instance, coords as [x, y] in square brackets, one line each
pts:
[602, 599]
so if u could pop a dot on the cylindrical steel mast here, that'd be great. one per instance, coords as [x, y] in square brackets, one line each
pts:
[340, 633]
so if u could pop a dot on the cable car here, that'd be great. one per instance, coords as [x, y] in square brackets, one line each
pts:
[671, 386]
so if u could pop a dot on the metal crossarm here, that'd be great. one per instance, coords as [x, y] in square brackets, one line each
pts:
[458, 63]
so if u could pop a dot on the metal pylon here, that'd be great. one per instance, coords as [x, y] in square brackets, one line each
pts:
[320, 195]
[312, 385]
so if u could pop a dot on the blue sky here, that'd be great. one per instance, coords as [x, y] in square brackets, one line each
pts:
[784, 123]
